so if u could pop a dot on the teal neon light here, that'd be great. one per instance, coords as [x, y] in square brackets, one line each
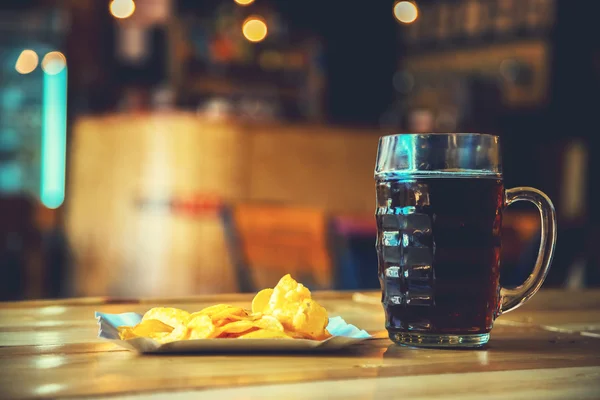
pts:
[54, 139]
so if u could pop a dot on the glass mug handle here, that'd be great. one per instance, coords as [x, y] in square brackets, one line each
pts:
[514, 298]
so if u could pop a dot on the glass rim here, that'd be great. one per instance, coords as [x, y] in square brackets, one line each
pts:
[438, 154]
[440, 134]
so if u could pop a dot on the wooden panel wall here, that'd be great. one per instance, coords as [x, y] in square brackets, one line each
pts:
[322, 167]
[117, 162]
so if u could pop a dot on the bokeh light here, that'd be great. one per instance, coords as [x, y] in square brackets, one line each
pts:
[122, 8]
[270, 60]
[254, 29]
[27, 62]
[54, 62]
[406, 12]
[244, 2]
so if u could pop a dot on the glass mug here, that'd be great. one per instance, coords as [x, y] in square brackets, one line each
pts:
[440, 199]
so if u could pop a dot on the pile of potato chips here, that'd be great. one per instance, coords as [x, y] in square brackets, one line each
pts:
[284, 312]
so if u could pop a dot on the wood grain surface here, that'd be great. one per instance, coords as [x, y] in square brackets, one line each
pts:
[549, 348]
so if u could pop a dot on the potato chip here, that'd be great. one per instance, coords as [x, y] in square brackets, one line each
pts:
[126, 332]
[236, 327]
[293, 334]
[287, 311]
[228, 315]
[235, 311]
[255, 316]
[231, 335]
[269, 323]
[200, 327]
[310, 319]
[265, 334]
[292, 305]
[261, 300]
[168, 315]
[181, 332]
[150, 328]
[210, 311]
[326, 334]
[299, 335]
[287, 290]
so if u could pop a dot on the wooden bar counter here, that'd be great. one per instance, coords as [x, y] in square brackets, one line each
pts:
[549, 348]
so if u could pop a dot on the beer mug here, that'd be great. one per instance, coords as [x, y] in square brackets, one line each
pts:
[440, 199]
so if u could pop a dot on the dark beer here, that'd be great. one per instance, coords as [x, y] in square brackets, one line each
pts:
[439, 253]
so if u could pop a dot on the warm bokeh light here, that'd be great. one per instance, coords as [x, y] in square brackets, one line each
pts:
[254, 29]
[54, 62]
[406, 12]
[244, 2]
[122, 8]
[27, 62]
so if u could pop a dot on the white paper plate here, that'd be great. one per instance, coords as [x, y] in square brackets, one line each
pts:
[343, 335]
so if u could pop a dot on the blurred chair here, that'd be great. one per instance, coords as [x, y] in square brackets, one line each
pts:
[268, 241]
[353, 245]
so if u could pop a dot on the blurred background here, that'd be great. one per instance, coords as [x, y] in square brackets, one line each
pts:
[179, 147]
